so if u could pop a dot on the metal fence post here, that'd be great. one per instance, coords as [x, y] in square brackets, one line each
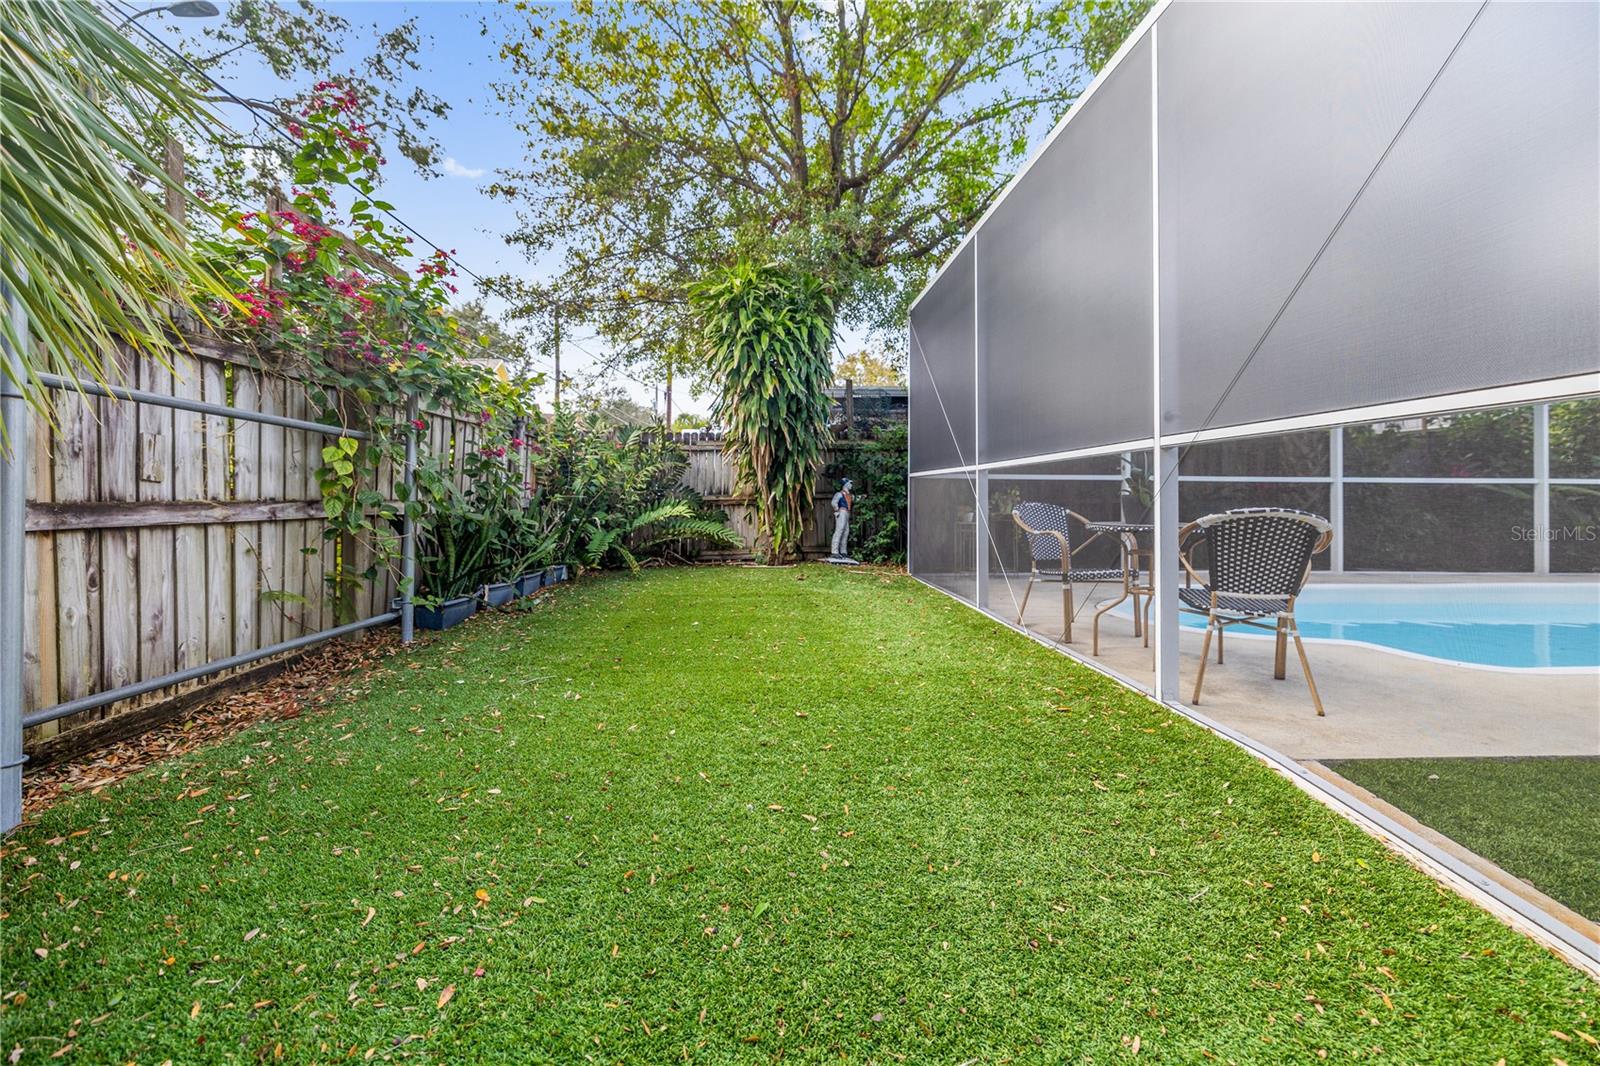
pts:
[408, 531]
[13, 531]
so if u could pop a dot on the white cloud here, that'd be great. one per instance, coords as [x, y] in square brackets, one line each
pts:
[456, 170]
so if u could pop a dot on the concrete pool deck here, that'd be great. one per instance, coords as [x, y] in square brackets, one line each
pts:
[1379, 704]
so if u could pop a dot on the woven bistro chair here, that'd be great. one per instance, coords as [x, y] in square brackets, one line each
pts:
[1259, 559]
[1048, 531]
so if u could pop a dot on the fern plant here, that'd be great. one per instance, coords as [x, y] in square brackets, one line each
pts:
[767, 331]
[673, 520]
[605, 496]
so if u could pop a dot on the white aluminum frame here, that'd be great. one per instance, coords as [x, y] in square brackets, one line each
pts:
[1539, 480]
[1165, 449]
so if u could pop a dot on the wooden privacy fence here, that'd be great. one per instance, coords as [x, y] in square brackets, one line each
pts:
[709, 474]
[161, 540]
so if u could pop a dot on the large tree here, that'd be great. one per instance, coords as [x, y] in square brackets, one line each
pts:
[854, 141]
[303, 42]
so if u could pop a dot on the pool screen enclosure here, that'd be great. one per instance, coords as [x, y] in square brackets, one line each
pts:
[1335, 262]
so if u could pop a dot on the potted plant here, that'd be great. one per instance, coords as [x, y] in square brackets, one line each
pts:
[497, 593]
[529, 583]
[527, 546]
[453, 548]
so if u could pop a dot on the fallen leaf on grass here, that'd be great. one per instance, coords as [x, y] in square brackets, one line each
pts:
[444, 997]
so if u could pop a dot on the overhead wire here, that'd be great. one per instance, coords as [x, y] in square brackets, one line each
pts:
[261, 116]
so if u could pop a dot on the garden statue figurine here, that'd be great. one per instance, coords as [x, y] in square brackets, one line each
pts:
[842, 501]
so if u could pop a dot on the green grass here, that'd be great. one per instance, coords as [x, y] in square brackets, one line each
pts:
[742, 815]
[1537, 818]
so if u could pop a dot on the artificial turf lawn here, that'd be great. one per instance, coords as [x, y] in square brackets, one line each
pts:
[1537, 818]
[735, 815]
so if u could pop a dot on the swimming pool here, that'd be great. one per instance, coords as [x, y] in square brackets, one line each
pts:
[1506, 625]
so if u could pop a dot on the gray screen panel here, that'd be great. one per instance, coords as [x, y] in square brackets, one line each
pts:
[940, 370]
[1469, 261]
[943, 548]
[1065, 284]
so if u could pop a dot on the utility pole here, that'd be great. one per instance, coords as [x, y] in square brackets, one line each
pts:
[669, 394]
[558, 357]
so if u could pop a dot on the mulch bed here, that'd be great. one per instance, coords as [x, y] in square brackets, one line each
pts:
[308, 682]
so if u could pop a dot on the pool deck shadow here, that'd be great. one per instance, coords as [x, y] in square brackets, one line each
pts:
[1379, 704]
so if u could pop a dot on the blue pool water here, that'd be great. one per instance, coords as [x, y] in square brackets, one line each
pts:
[1502, 624]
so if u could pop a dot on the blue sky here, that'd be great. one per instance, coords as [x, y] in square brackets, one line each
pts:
[459, 63]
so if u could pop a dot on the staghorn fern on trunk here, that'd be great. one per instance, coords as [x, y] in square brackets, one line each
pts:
[768, 331]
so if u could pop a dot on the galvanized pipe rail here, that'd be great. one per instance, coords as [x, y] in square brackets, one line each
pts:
[13, 530]
[178, 677]
[201, 407]
[13, 576]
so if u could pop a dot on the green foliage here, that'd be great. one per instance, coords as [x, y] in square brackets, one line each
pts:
[766, 333]
[673, 520]
[478, 534]
[871, 368]
[858, 141]
[336, 311]
[688, 420]
[605, 494]
[90, 255]
[645, 814]
[1575, 438]
[878, 516]
[455, 553]
[301, 43]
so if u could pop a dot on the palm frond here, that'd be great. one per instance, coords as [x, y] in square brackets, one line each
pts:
[92, 257]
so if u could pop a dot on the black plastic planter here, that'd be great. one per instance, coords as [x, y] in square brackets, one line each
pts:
[447, 614]
[528, 584]
[498, 594]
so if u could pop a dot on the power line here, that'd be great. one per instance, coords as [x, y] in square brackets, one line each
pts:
[270, 119]
[272, 123]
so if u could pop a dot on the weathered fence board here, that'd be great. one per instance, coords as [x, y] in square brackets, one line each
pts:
[159, 540]
[75, 473]
[119, 548]
[246, 486]
[219, 537]
[156, 577]
[189, 540]
[708, 473]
